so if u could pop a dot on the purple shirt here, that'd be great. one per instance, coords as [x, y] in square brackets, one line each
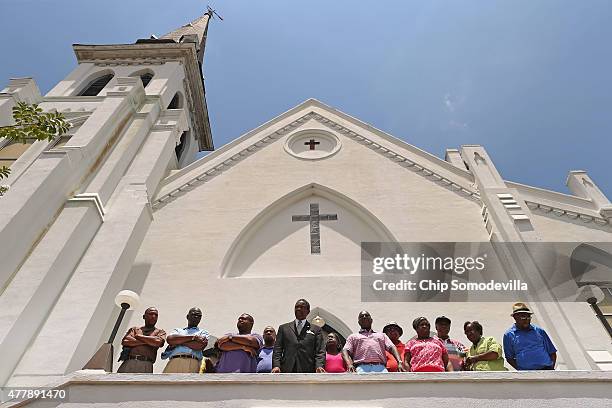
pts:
[238, 361]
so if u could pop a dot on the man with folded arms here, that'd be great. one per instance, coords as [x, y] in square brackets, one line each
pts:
[364, 352]
[185, 345]
[239, 350]
[142, 343]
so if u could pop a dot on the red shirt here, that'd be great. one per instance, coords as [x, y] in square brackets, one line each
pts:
[426, 354]
[391, 362]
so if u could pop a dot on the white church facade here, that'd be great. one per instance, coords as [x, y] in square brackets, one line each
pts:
[119, 203]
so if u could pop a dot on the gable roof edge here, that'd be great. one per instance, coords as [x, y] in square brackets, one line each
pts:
[219, 160]
[399, 142]
[562, 205]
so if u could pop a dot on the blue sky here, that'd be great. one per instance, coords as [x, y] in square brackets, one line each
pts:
[529, 80]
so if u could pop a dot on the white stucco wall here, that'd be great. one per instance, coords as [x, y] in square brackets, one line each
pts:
[185, 253]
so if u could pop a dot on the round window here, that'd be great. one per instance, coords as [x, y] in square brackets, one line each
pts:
[312, 144]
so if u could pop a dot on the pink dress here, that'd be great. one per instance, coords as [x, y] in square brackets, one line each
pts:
[426, 354]
[334, 363]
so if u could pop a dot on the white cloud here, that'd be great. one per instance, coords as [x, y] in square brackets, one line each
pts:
[449, 103]
[453, 103]
[458, 125]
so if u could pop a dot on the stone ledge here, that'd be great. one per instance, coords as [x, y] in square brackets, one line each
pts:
[85, 377]
[557, 389]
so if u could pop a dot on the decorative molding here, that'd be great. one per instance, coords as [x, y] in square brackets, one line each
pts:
[486, 219]
[317, 153]
[73, 99]
[398, 158]
[90, 198]
[512, 207]
[116, 62]
[268, 139]
[173, 120]
[573, 215]
[146, 53]
[76, 121]
[130, 88]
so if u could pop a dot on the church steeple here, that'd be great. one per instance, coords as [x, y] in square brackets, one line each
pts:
[194, 31]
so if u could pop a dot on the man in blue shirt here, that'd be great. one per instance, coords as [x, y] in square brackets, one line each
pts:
[185, 345]
[527, 346]
[264, 361]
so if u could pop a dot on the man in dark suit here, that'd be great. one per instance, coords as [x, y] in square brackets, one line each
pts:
[299, 346]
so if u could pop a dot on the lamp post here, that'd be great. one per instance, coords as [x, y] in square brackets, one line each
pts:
[594, 295]
[103, 359]
[593, 302]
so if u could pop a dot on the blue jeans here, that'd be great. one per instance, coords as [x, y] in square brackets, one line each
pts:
[371, 368]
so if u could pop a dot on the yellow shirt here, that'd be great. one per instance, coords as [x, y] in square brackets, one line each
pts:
[486, 344]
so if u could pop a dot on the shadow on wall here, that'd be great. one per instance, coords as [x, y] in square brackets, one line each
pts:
[270, 228]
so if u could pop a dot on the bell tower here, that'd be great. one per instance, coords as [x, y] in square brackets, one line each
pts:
[81, 204]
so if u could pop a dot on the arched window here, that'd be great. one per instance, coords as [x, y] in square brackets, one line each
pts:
[146, 78]
[181, 146]
[94, 88]
[176, 102]
[329, 323]
[145, 75]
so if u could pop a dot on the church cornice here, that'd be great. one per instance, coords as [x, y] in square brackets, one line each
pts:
[158, 53]
[209, 172]
[538, 200]
[133, 53]
[566, 207]
[386, 151]
[569, 214]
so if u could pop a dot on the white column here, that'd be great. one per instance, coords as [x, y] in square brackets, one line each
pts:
[454, 157]
[18, 90]
[86, 305]
[511, 219]
[508, 215]
[26, 302]
[107, 178]
[30, 296]
[583, 186]
[35, 199]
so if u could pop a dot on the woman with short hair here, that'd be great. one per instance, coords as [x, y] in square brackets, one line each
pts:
[485, 353]
[334, 363]
[425, 353]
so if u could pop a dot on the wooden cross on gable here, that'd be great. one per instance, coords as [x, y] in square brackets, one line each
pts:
[311, 143]
[315, 232]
